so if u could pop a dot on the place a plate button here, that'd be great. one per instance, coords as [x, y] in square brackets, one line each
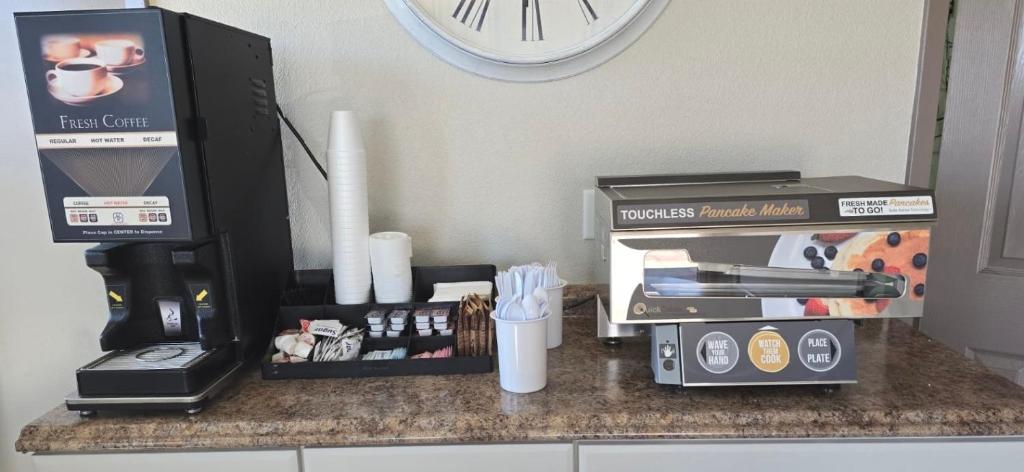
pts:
[819, 350]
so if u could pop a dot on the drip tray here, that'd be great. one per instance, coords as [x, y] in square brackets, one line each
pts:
[88, 405]
[157, 356]
[156, 369]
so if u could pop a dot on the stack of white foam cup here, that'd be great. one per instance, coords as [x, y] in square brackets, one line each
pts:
[350, 227]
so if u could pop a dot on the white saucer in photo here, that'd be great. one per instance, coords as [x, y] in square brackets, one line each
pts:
[112, 86]
[82, 53]
[126, 68]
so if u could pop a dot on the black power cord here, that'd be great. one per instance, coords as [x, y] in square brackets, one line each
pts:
[578, 303]
[298, 136]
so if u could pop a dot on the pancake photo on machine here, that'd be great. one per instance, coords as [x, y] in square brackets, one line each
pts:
[903, 253]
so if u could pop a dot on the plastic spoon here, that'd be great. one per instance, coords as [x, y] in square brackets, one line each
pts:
[529, 282]
[531, 307]
[515, 310]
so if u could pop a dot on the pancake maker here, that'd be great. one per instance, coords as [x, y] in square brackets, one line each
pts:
[754, 278]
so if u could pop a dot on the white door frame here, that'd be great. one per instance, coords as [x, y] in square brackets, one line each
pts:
[926, 98]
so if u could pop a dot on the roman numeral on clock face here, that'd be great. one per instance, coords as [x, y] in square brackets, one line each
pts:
[588, 11]
[472, 13]
[532, 27]
[525, 40]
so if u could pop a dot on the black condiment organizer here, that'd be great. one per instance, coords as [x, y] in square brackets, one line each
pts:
[310, 296]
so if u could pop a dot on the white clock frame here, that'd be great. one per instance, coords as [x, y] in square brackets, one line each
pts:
[587, 55]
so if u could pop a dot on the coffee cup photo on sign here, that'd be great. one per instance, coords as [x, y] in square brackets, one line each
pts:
[89, 68]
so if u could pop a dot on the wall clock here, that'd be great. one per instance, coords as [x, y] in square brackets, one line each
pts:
[526, 40]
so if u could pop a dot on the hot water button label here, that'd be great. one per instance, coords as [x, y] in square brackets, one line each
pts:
[819, 350]
[768, 351]
[717, 352]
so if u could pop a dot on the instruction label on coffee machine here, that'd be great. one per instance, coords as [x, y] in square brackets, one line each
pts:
[106, 140]
[117, 211]
[884, 206]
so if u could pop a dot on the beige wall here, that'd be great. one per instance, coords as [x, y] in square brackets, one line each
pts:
[484, 171]
[478, 170]
[51, 304]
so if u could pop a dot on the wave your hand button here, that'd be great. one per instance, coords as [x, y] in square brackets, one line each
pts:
[768, 351]
[717, 352]
[819, 350]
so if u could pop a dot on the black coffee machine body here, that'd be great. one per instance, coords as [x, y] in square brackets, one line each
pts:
[157, 138]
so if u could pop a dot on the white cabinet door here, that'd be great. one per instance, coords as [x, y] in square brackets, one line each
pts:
[248, 461]
[805, 456]
[483, 458]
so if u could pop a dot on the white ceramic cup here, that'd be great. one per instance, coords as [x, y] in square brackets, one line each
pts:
[81, 77]
[118, 52]
[522, 354]
[555, 319]
[62, 47]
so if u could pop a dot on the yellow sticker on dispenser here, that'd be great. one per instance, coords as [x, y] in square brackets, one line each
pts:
[117, 298]
[768, 351]
[202, 295]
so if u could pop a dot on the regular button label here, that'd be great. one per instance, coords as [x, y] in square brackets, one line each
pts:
[819, 350]
[717, 352]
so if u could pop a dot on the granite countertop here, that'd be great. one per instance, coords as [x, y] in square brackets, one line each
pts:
[909, 386]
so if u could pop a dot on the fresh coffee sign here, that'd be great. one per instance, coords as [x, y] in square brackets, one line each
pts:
[686, 214]
[105, 127]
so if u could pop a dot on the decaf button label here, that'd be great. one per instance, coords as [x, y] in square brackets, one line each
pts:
[768, 351]
[717, 352]
[819, 350]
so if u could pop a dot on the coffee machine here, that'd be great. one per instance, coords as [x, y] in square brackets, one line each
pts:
[157, 139]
